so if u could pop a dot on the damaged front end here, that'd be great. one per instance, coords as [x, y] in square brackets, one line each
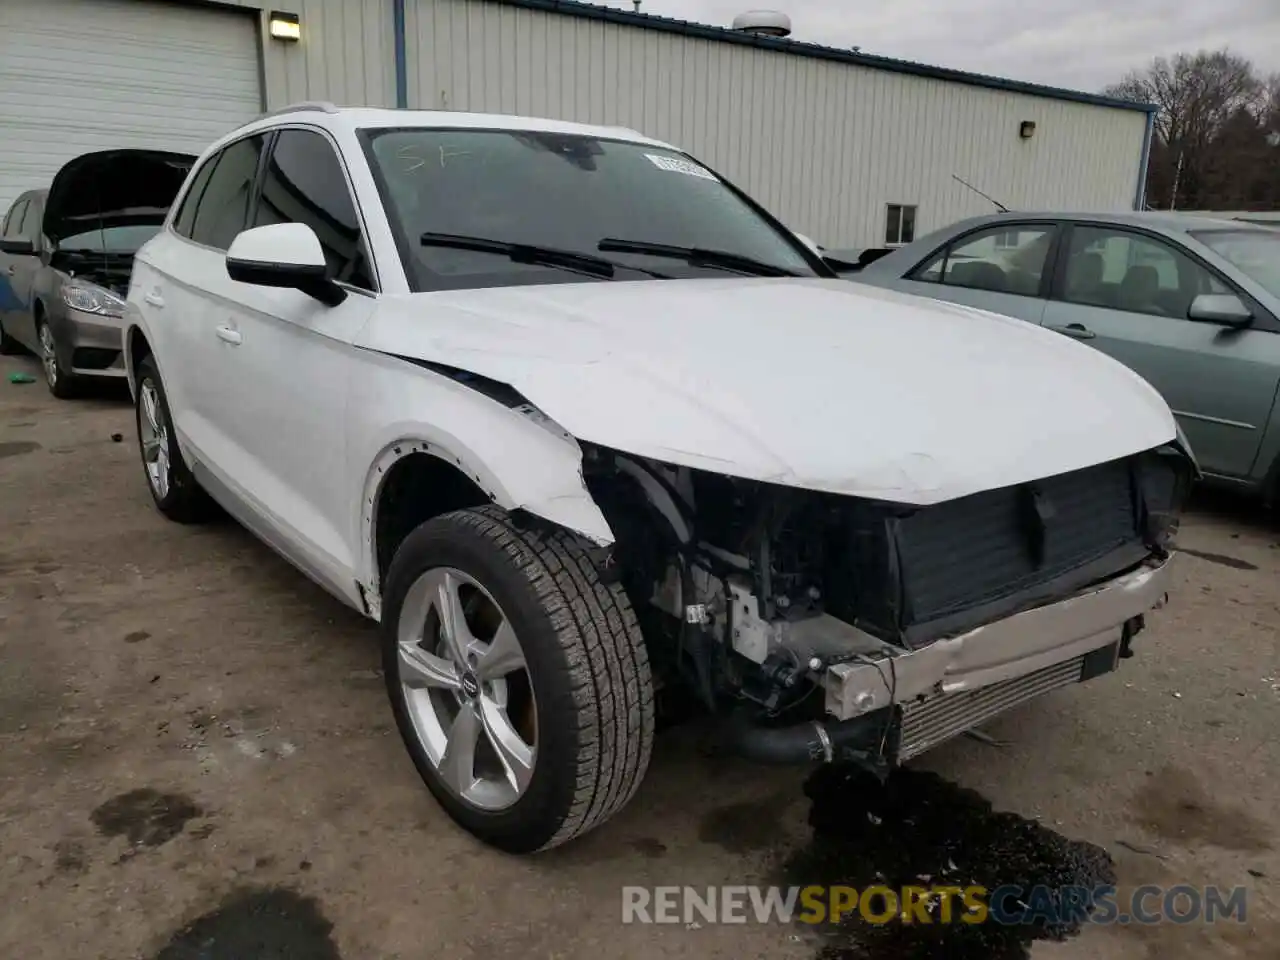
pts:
[832, 627]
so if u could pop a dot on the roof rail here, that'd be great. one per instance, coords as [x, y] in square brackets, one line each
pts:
[322, 106]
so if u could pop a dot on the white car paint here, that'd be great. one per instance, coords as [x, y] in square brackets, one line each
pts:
[298, 409]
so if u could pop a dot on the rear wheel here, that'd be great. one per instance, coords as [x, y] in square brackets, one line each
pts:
[519, 681]
[62, 383]
[172, 486]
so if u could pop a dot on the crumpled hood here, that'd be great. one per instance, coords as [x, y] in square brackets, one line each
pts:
[818, 384]
[113, 188]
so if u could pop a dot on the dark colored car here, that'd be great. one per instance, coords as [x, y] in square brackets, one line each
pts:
[66, 255]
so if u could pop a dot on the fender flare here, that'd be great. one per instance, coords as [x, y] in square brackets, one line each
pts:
[574, 510]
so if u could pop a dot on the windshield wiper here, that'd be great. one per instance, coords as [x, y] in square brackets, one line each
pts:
[697, 257]
[583, 263]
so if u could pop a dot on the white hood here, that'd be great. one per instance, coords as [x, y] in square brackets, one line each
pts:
[819, 384]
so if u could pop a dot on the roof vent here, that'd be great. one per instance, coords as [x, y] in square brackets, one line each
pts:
[765, 23]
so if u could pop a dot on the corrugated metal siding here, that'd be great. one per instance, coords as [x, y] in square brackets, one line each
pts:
[346, 54]
[823, 145]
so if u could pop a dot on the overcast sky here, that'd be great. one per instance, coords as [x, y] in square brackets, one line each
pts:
[1081, 44]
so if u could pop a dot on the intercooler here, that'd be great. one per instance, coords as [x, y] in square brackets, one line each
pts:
[926, 724]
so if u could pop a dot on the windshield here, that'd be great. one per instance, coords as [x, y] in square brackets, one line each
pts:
[1255, 253]
[125, 239]
[561, 191]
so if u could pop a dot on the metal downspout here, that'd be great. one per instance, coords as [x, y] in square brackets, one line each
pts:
[402, 70]
[1140, 197]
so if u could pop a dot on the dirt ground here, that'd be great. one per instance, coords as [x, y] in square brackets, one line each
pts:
[197, 760]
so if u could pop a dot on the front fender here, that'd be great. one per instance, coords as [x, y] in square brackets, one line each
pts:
[518, 458]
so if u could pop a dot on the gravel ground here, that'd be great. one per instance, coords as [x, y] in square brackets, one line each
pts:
[197, 762]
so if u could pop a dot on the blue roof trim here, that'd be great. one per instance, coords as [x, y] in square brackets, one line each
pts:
[575, 8]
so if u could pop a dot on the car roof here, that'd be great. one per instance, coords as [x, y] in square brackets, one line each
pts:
[1162, 220]
[357, 118]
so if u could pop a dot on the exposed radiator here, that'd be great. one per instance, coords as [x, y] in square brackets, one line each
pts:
[927, 724]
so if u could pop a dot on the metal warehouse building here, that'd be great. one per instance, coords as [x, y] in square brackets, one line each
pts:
[848, 148]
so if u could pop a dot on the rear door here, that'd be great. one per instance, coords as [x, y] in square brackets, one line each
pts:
[1002, 268]
[18, 269]
[1127, 293]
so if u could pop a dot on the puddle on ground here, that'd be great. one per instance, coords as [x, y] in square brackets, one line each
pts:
[15, 448]
[1235, 563]
[918, 830]
[262, 924]
[1172, 804]
[144, 817]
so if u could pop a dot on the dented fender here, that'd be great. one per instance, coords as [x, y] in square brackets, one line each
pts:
[399, 410]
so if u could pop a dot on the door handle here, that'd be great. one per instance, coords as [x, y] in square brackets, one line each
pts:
[230, 335]
[1077, 331]
[154, 300]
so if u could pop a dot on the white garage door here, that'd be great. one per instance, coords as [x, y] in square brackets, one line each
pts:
[83, 75]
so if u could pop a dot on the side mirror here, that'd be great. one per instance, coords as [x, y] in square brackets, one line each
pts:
[284, 255]
[19, 247]
[1222, 308]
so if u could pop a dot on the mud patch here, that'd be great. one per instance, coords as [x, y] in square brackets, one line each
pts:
[16, 448]
[137, 636]
[1235, 563]
[144, 817]
[747, 827]
[263, 924]
[918, 830]
[69, 857]
[1173, 804]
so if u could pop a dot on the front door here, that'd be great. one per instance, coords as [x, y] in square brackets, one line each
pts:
[1002, 269]
[1128, 293]
[286, 358]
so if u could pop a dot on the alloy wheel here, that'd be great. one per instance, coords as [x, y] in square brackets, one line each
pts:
[49, 354]
[466, 689]
[153, 432]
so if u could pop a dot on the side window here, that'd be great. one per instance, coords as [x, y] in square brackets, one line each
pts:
[1004, 259]
[304, 183]
[1119, 270]
[223, 207]
[13, 221]
[186, 215]
[900, 224]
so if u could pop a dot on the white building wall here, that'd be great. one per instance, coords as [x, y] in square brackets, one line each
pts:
[346, 54]
[824, 145]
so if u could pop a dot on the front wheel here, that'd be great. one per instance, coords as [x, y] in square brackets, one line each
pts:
[519, 681]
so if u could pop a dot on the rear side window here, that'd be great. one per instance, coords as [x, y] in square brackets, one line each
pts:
[304, 183]
[13, 221]
[222, 207]
[1010, 258]
[186, 214]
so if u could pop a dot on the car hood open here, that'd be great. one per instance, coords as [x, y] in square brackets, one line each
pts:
[817, 384]
[113, 188]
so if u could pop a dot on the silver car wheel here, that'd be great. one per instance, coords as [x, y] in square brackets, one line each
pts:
[49, 354]
[153, 432]
[466, 689]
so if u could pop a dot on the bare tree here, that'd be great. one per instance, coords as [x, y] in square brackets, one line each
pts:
[1210, 129]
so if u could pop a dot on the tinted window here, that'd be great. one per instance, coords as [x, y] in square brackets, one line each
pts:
[1255, 253]
[223, 206]
[13, 221]
[565, 191]
[304, 183]
[1005, 259]
[186, 214]
[1119, 270]
[126, 239]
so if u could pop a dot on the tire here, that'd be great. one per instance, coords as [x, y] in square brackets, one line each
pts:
[61, 382]
[9, 347]
[179, 497]
[584, 661]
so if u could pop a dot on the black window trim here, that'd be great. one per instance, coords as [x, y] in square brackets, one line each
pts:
[1263, 318]
[366, 135]
[1054, 225]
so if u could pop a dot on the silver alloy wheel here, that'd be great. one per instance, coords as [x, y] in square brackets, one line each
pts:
[49, 354]
[153, 432]
[468, 696]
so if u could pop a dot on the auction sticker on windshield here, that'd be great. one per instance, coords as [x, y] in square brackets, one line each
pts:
[677, 165]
